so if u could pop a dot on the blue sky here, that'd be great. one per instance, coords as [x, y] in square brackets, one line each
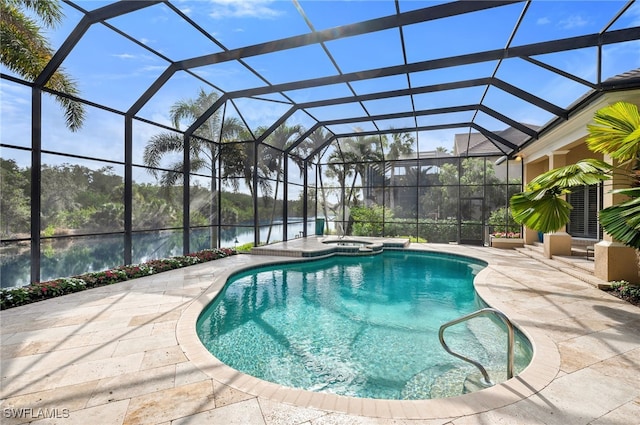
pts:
[113, 71]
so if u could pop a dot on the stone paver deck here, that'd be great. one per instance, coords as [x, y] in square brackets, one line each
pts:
[128, 354]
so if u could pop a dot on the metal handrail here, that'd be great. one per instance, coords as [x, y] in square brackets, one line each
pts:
[510, 334]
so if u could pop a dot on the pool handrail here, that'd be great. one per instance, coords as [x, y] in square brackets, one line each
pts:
[510, 338]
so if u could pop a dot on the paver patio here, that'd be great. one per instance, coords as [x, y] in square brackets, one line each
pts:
[128, 354]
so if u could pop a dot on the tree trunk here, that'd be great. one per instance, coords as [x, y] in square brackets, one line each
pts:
[213, 208]
[324, 198]
[275, 200]
[392, 200]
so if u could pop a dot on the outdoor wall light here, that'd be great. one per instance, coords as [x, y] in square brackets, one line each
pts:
[501, 160]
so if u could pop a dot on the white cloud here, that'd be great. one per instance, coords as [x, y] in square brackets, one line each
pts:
[124, 56]
[573, 21]
[543, 21]
[153, 68]
[260, 9]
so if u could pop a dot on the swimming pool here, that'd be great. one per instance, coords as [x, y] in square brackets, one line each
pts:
[357, 326]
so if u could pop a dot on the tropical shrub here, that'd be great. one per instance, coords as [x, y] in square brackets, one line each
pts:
[438, 231]
[369, 221]
[245, 247]
[626, 291]
[501, 220]
[400, 228]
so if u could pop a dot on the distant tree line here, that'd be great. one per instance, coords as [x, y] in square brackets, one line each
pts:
[76, 199]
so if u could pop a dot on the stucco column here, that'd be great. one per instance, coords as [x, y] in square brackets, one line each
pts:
[558, 242]
[530, 171]
[614, 260]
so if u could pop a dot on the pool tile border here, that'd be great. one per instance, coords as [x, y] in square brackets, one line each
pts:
[544, 366]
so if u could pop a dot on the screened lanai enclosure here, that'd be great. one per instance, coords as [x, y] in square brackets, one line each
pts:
[157, 128]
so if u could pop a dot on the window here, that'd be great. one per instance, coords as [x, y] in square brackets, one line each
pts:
[583, 220]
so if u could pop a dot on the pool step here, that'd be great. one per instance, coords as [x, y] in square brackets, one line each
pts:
[488, 346]
[577, 267]
[475, 381]
[450, 384]
[444, 380]
[492, 337]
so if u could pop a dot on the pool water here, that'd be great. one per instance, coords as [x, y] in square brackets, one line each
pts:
[358, 326]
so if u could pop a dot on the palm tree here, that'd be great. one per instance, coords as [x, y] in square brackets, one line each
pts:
[401, 144]
[279, 140]
[361, 152]
[316, 139]
[242, 163]
[204, 153]
[26, 51]
[615, 132]
[352, 159]
[339, 167]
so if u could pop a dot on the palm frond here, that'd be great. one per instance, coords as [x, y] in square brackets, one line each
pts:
[622, 221]
[541, 206]
[48, 11]
[26, 51]
[191, 109]
[159, 145]
[173, 176]
[543, 210]
[73, 110]
[231, 129]
[585, 172]
[198, 164]
[182, 109]
[24, 48]
[616, 131]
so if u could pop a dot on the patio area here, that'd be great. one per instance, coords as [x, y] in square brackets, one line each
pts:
[128, 354]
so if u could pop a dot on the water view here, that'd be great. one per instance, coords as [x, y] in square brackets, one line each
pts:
[73, 256]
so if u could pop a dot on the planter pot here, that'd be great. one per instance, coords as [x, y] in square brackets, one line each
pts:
[557, 243]
[506, 243]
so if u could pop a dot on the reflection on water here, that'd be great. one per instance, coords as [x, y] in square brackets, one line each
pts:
[74, 256]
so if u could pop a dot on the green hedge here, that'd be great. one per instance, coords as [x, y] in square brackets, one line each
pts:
[435, 231]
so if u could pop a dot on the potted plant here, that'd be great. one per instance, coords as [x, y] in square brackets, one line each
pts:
[508, 235]
[506, 240]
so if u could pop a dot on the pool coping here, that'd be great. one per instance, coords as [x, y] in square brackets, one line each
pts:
[322, 246]
[543, 368]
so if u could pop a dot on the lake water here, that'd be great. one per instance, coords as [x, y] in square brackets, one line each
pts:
[73, 256]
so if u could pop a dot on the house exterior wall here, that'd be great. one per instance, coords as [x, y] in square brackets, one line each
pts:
[565, 144]
[581, 151]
